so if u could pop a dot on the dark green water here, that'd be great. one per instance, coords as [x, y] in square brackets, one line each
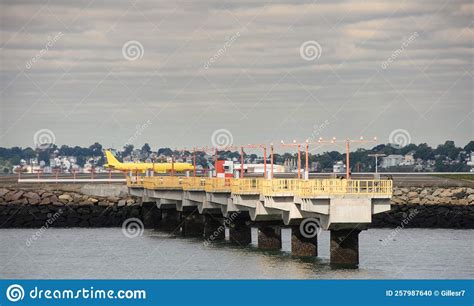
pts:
[107, 253]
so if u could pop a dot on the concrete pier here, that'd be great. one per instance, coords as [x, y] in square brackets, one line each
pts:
[151, 215]
[344, 207]
[214, 228]
[192, 224]
[303, 246]
[345, 248]
[240, 232]
[170, 220]
[269, 237]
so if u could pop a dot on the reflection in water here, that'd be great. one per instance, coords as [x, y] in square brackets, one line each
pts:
[106, 253]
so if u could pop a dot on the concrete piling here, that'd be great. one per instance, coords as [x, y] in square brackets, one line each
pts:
[193, 224]
[170, 220]
[213, 228]
[345, 248]
[301, 245]
[240, 232]
[269, 237]
[151, 215]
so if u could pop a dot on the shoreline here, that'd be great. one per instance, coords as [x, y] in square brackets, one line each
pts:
[80, 206]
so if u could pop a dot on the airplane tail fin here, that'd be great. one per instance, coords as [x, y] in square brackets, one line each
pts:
[111, 160]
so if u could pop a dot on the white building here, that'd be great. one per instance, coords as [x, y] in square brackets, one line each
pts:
[408, 160]
[392, 160]
[471, 160]
[339, 167]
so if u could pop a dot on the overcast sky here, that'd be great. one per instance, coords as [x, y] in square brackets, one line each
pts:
[175, 73]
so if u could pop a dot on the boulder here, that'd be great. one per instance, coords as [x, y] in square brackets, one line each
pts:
[45, 201]
[444, 200]
[92, 200]
[32, 195]
[46, 194]
[65, 197]
[113, 199]
[17, 195]
[33, 201]
[3, 191]
[121, 203]
[447, 193]
[86, 203]
[459, 193]
[437, 192]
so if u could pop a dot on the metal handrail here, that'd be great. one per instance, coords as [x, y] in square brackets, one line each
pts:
[281, 187]
[194, 183]
[217, 184]
[342, 186]
[135, 181]
[274, 187]
[163, 182]
[247, 186]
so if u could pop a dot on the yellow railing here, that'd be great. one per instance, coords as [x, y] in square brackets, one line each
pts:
[335, 186]
[163, 182]
[218, 184]
[277, 187]
[247, 186]
[194, 183]
[135, 181]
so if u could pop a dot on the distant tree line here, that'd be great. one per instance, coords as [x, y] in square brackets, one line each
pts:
[359, 158]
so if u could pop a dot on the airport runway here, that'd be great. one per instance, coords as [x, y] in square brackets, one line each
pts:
[399, 179]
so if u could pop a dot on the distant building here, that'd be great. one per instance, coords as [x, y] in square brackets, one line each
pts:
[471, 160]
[339, 167]
[408, 160]
[392, 160]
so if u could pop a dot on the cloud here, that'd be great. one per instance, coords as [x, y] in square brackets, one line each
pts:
[259, 79]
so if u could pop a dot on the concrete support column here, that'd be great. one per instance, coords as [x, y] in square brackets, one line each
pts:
[151, 215]
[214, 228]
[303, 246]
[240, 232]
[269, 237]
[170, 220]
[193, 224]
[345, 248]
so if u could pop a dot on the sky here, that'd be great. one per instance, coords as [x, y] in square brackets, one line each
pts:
[200, 73]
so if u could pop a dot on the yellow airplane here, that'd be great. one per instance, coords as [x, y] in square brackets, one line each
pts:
[113, 163]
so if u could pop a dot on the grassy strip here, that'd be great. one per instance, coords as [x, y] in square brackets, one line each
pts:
[467, 177]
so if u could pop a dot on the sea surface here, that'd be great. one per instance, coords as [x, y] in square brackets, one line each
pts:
[102, 253]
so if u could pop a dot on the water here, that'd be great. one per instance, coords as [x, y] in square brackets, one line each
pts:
[106, 253]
